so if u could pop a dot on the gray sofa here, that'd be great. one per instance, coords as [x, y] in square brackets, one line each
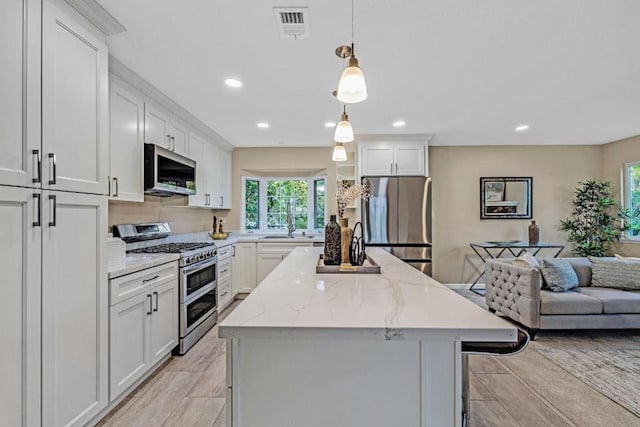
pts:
[516, 292]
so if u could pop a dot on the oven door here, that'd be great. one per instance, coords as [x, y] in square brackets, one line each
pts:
[202, 305]
[195, 277]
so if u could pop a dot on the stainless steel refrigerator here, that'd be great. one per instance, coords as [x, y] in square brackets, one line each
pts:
[397, 217]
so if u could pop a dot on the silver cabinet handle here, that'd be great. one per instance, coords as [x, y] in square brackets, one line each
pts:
[396, 168]
[37, 206]
[52, 157]
[234, 250]
[391, 165]
[150, 279]
[221, 200]
[225, 292]
[38, 170]
[208, 202]
[173, 143]
[150, 308]
[155, 293]
[224, 271]
[55, 208]
[115, 185]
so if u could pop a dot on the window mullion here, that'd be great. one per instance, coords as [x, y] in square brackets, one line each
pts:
[263, 204]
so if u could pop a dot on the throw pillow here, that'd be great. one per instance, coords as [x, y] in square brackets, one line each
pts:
[558, 274]
[526, 260]
[613, 273]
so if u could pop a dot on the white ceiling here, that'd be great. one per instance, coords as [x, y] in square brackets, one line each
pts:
[467, 71]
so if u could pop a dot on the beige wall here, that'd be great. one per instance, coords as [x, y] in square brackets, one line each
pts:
[456, 173]
[183, 219]
[614, 156]
[280, 161]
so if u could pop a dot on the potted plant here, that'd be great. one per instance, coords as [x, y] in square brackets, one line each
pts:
[347, 192]
[598, 222]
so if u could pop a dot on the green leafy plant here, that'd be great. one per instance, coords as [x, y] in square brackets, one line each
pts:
[598, 222]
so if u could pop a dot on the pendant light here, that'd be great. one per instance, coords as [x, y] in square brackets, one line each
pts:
[352, 87]
[339, 153]
[344, 131]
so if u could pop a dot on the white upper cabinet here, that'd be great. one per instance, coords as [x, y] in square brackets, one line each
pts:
[157, 125]
[224, 179]
[75, 103]
[127, 145]
[197, 147]
[380, 159]
[162, 129]
[20, 89]
[179, 138]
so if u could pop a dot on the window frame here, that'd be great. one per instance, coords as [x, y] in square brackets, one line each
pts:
[627, 196]
[262, 202]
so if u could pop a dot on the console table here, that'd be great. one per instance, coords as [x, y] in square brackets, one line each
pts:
[495, 249]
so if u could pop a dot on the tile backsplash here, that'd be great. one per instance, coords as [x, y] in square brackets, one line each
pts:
[183, 219]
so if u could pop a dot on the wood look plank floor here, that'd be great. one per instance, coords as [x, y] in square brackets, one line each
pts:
[525, 390]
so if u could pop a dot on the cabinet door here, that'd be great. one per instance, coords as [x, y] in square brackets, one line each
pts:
[127, 145]
[197, 152]
[74, 307]
[212, 154]
[246, 266]
[164, 320]
[224, 179]
[156, 126]
[20, 89]
[75, 102]
[267, 263]
[409, 160]
[377, 160]
[179, 138]
[129, 354]
[20, 307]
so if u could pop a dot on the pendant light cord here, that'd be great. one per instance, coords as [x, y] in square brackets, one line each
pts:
[352, 25]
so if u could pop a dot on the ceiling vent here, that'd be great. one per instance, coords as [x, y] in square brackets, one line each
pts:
[293, 22]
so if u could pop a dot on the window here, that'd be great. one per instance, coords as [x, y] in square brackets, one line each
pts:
[265, 202]
[632, 198]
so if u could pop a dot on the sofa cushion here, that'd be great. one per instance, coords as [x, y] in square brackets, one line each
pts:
[526, 260]
[615, 301]
[570, 302]
[582, 267]
[558, 274]
[613, 273]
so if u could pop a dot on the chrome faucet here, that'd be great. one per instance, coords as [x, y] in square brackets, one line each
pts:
[291, 227]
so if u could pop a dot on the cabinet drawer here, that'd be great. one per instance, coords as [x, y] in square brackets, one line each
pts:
[224, 252]
[224, 270]
[125, 287]
[224, 293]
[266, 248]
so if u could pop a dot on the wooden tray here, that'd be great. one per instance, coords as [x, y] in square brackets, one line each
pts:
[369, 267]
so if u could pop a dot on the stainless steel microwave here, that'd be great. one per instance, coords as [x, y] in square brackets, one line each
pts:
[167, 173]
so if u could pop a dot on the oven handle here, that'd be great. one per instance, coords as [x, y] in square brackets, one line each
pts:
[199, 266]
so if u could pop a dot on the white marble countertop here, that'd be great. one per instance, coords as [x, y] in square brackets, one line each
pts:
[235, 237]
[401, 303]
[138, 262]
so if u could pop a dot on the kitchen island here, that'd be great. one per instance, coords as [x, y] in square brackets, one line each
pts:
[307, 349]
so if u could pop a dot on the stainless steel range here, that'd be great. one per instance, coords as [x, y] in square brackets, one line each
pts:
[198, 275]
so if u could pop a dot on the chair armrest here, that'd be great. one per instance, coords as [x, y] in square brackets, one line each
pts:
[514, 292]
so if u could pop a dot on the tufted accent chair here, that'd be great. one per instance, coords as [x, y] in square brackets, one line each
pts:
[514, 292]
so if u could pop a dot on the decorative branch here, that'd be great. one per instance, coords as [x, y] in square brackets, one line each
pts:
[346, 194]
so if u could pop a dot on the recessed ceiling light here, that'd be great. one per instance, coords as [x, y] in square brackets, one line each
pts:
[330, 124]
[263, 125]
[522, 128]
[233, 83]
[399, 124]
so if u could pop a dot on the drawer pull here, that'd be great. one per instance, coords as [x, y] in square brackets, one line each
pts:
[150, 279]
[226, 292]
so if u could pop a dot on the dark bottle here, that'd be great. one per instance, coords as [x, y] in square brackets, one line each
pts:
[332, 246]
[534, 233]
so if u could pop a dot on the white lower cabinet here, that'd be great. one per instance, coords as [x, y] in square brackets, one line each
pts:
[144, 326]
[269, 255]
[245, 266]
[53, 307]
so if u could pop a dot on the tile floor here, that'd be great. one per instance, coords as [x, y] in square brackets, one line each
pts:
[523, 390]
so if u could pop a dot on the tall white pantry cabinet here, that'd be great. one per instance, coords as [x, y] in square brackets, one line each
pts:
[53, 215]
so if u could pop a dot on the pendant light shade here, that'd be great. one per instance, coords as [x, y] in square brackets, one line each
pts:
[344, 131]
[352, 87]
[339, 153]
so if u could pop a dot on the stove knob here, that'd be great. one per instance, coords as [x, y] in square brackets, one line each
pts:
[189, 260]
